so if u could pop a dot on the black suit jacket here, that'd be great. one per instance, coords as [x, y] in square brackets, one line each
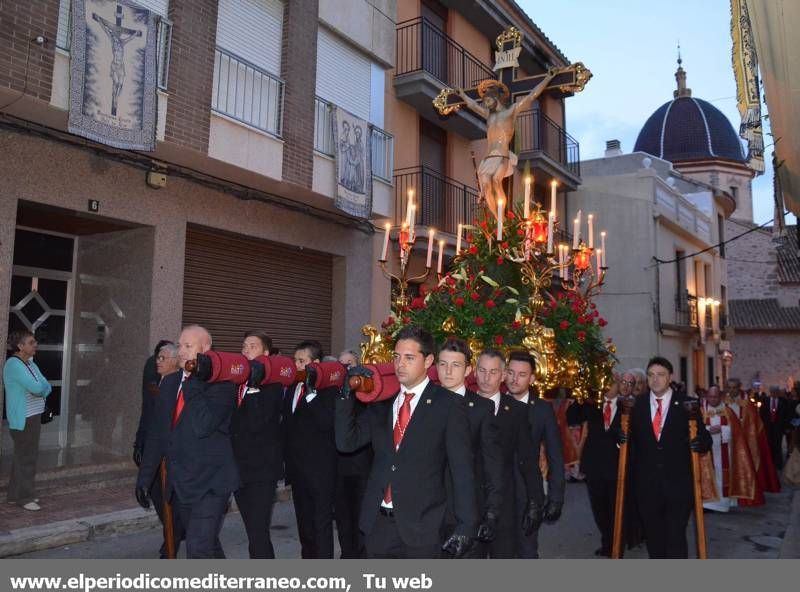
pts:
[518, 451]
[437, 439]
[485, 438]
[352, 464]
[784, 415]
[150, 380]
[663, 468]
[600, 457]
[310, 452]
[198, 451]
[544, 430]
[257, 436]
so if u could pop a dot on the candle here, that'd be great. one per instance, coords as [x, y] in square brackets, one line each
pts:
[576, 229]
[410, 207]
[412, 221]
[431, 232]
[385, 250]
[562, 261]
[500, 204]
[439, 263]
[591, 231]
[458, 238]
[550, 221]
[599, 260]
[553, 185]
[528, 182]
[603, 246]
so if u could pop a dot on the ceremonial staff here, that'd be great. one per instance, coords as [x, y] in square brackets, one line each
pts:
[691, 408]
[622, 470]
[169, 534]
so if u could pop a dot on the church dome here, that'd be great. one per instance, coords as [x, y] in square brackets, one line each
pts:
[687, 128]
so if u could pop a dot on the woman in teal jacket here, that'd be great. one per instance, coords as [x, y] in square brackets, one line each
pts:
[26, 390]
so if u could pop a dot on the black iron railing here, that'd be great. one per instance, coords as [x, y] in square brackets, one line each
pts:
[421, 46]
[536, 132]
[686, 310]
[442, 202]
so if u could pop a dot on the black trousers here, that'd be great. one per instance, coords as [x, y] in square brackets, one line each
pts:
[527, 547]
[349, 493]
[202, 520]
[157, 497]
[775, 439]
[313, 497]
[255, 506]
[665, 520]
[602, 499]
[21, 487]
[384, 542]
[504, 545]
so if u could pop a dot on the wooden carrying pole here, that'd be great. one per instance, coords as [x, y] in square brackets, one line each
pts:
[700, 524]
[622, 470]
[169, 533]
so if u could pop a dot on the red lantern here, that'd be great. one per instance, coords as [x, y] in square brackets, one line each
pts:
[583, 259]
[540, 229]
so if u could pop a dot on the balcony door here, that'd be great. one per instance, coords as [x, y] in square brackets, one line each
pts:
[433, 39]
[433, 158]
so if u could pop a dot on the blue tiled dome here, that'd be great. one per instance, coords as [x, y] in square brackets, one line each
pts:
[687, 128]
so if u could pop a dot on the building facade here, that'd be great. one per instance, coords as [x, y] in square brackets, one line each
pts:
[229, 223]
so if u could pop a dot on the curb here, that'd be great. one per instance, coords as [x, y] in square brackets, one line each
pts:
[790, 548]
[78, 530]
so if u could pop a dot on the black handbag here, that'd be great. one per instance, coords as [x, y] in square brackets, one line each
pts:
[47, 415]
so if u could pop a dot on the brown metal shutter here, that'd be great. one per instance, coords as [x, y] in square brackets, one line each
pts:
[234, 284]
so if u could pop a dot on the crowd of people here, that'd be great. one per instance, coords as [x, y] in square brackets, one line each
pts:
[465, 460]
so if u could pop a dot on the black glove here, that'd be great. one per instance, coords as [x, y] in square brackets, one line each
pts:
[457, 545]
[203, 371]
[488, 528]
[138, 451]
[311, 379]
[699, 445]
[552, 511]
[257, 374]
[353, 371]
[622, 437]
[143, 497]
[532, 519]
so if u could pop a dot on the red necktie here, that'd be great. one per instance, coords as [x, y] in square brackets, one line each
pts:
[300, 396]
[657, 420]
[240, 395]
[403, 417]
[607, 415]
[176, 413]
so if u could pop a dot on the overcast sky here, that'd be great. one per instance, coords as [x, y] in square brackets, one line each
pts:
[631, 48]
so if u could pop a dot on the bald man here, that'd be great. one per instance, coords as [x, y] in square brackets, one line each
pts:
[191, 431]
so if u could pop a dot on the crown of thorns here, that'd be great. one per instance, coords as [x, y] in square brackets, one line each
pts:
[493, 86]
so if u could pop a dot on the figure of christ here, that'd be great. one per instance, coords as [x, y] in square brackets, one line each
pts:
[119, 37]
[500, 117]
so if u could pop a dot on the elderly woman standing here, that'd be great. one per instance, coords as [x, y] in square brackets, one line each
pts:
[26, 389]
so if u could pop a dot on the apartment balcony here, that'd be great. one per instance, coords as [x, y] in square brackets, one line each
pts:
[442, 203]
[685, 317]
[548, 147]
[427, 60]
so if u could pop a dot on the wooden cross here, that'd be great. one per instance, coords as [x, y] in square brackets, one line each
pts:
[571, 79]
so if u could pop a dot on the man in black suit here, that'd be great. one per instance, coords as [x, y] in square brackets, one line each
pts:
[417, 436]
[600, 461]
[453, 367]
[191, 430]
[520, 376]
[258, 447]
[662, 464]
[523, 502]
[776, 413]
[351, 482]
[311, 457]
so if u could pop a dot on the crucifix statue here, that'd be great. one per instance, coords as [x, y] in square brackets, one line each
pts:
[119, 36]
[500, 109]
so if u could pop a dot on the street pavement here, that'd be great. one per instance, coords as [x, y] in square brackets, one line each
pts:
[742, 533]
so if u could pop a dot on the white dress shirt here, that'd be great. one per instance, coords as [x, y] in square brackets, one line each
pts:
[665, 401]
[614, 410]
[462, 390]
[525, 398]
[496, 400]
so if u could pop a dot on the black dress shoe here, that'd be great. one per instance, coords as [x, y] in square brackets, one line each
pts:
[601, 552]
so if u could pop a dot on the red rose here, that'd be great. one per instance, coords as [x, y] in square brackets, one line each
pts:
[520, 232]
[451, 290]
[564, 325]
[576, 309]
[473, 250]
[553, 304]
[490, 304]
[406, 320]
[516, 325]
[581, 336]
[423, 290]
[418, 303]
[602, 322]
[504, 244]
[475, 296]
[479, 321]
[498, 339]
[592, 306]
[387, 323]
[582, 320]
[451, 281]
[500, 260]
[469, 238]
[484, 225]
[459, 301]
[510, 214]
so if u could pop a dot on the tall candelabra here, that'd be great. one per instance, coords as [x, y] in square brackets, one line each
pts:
[406, 237]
